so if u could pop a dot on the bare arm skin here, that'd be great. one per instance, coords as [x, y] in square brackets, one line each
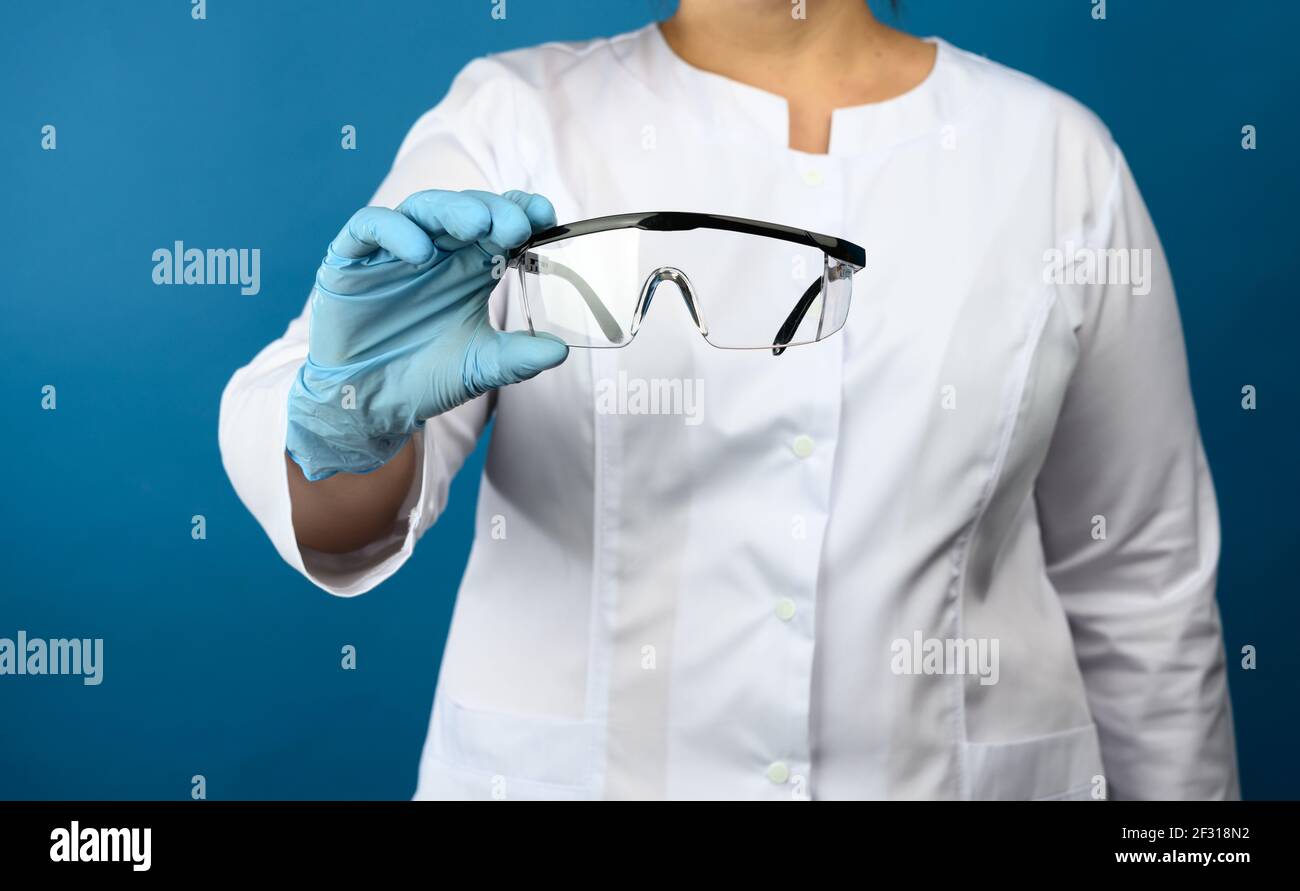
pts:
[348, 511]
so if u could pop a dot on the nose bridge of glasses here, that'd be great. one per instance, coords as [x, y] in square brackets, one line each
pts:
[684, 287]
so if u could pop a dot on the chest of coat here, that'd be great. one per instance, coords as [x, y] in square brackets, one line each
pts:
[947, 332]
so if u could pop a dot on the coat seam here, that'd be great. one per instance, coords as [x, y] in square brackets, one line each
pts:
[1010, 419]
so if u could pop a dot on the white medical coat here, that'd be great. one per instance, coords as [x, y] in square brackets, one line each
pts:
[986, 452]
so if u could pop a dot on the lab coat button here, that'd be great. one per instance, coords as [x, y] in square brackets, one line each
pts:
[778, 772]
[802, 445]
[785, 609]
[812, 177]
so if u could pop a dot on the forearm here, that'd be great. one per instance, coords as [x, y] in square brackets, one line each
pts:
[346, 512]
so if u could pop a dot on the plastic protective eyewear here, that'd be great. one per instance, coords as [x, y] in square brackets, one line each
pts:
[752, 285]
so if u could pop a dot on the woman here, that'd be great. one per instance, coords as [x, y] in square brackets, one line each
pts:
[964, 548]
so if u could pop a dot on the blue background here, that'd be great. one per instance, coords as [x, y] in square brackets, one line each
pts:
[223, 661]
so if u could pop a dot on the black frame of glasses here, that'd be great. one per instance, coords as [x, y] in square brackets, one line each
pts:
[681, 221]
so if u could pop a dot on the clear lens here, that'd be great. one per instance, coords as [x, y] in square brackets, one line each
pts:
[838, 290]
[752, 292]
[584, 290]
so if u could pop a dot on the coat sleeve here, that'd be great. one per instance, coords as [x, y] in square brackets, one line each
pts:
[463, 143]
[1140, 592]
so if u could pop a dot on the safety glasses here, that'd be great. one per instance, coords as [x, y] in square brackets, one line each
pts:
[747, 285]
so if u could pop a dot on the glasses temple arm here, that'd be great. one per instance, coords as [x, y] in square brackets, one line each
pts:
[530, 262]
[791, 324]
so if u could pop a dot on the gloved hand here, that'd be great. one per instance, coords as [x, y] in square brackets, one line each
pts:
[400, 316]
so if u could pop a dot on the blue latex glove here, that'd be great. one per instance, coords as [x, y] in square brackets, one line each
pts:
[400, 315]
